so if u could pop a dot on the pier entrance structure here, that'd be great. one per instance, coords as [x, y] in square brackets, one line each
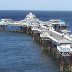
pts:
[51, 35]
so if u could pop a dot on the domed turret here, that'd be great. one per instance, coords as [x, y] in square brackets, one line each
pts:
[30, 16]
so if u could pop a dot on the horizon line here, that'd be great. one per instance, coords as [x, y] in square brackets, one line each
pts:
[35, 10]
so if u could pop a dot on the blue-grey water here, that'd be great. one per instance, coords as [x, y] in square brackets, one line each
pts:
[18, 51]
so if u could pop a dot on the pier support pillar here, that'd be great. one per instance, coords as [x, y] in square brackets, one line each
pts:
[61, 64]
[40, 41]
[38, 37]
[65, 64]
[24, 29]
[29, 30]
[53, 51]
[57, 56]
[71, 68]
[71, 64]
[33, 36]
[42, 44]
[48, 46]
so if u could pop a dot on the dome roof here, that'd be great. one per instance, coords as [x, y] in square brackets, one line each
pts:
[30, 16]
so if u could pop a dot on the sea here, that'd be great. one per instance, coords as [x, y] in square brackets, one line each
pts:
[18, 51]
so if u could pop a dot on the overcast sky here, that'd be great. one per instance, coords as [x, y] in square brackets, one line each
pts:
[36, 5]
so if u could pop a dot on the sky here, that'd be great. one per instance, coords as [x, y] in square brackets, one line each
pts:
[63, 5]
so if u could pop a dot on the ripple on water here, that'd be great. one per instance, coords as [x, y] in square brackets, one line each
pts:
[19, 53]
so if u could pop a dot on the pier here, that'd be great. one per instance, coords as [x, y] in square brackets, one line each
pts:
[52, 35]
